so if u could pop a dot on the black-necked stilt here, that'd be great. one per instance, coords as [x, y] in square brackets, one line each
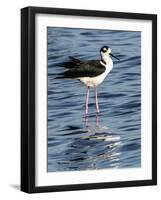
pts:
[90, 72]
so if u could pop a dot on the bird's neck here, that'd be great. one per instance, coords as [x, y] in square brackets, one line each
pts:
[105, 59]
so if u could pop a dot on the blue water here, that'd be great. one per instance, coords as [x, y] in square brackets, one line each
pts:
[112, 139]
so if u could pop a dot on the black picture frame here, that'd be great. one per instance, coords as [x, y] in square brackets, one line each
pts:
[28, 98]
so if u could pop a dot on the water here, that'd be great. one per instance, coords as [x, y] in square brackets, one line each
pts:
[112, 139]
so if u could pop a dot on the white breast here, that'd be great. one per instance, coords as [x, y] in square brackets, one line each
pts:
[94, 81]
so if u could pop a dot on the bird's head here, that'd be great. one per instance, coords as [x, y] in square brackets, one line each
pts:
[106, 53]
[105, 50]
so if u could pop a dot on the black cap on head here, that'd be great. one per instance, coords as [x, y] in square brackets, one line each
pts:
[104, 49]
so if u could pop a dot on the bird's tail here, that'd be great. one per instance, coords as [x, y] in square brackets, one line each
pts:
[69, 74]
[64, 76]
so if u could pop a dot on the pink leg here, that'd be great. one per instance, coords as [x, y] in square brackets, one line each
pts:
[97, 106]
[87, 100]
[97, 120]
[86, 121]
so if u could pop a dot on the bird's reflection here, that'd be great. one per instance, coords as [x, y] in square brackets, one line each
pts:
[97, 148]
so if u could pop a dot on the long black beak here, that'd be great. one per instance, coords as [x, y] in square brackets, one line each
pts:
[114, 56]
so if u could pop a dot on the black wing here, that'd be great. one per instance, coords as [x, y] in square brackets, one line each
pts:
[78, 68]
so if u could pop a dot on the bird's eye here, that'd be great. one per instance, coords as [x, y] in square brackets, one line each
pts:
[104, 50]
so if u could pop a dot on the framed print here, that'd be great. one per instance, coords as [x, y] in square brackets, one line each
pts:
[88, 99]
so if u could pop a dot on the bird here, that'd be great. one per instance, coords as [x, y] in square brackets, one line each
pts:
[90, 72]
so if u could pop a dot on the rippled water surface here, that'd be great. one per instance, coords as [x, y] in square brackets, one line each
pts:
[112, 139]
